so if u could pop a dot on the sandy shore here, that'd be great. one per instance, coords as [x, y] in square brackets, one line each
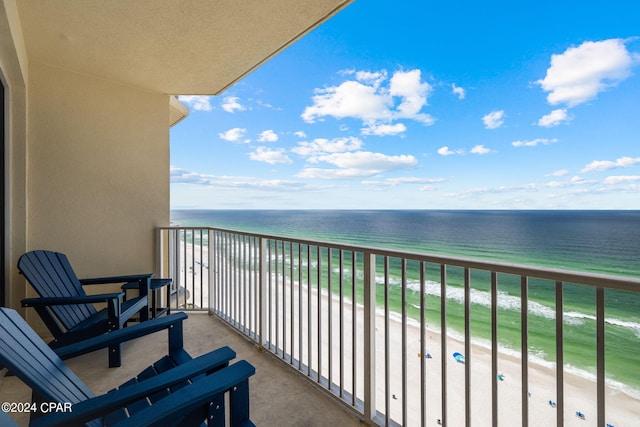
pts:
[580, 393]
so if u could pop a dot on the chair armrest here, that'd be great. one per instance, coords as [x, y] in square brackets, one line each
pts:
[192, 396]
[88, 299]
[101, 405]
[116, 279]
[123, 335]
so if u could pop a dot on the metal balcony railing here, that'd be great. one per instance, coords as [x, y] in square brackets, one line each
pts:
[353, 319]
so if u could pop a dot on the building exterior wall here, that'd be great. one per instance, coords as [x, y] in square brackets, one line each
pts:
[87, 169]
[14, 72]
[98, 162]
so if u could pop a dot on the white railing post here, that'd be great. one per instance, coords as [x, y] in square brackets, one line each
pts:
[210, 262]
[262, 289]
[369, 337]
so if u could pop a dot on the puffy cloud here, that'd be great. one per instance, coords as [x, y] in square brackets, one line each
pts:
[602, 165]
[325, 146]
[445, 151]
[413, 92]
[384, 129]
[350, 99]
[534, 142]
[480, 149]
[374, 78]
[458, 91]
[230, 104]
[268, 136]
[271, 156]
[369, 160]
[494, 119]
[197, 102]
[359, 164]
[233, 135]
[554, 118]
[300, 134]
[367, 98]
[578, 74]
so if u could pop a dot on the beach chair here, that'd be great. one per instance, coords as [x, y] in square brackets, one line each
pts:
[67, 311]
[176, 390]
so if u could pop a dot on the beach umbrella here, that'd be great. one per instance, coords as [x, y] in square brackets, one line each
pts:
[459, 357]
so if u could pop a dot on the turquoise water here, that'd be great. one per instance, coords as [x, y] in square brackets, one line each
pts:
[606, 242]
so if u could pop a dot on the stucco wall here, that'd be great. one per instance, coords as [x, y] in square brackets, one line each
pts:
[14, 73]
[97, 170]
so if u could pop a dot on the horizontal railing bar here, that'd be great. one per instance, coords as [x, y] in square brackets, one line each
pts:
[623, 283]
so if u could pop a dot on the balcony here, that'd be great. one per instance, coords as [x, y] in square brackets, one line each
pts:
[388, 358]
[286, 306]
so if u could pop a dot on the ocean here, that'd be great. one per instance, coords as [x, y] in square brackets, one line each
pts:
[604, 242]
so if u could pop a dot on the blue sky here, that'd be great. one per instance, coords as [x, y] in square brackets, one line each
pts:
[426, 105]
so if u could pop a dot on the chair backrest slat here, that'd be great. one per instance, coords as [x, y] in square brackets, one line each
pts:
[51, 275]
[31, 360]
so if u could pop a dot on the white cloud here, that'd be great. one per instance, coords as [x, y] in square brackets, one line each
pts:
[271, 156]
[561, 172]
[268, 136]
[232, 183]
[494, 119]
[367, 98]
[374, 78]
[360, 164]
[230, 104]
[554, 118]
[578, 74]
[612, 180]
[480, 149]
[384, 129]
[233, 135]
[369, 160]
[300, 134]
[321, 146]
[394, 182]
[445, 151]
[350, 99]
[601, 165]
[534, 142]
[197, 102]
[413, 92]
[180, 175]
[320, 173]
[460, 92]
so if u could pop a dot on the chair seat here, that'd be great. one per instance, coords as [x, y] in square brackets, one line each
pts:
[101, 318]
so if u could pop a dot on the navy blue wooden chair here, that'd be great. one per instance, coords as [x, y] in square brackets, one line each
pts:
[66, 309]
[176, 390]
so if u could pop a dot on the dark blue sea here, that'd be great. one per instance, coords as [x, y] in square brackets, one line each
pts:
[604, 242]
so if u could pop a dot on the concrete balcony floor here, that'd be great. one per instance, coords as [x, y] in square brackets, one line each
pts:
[279, 397]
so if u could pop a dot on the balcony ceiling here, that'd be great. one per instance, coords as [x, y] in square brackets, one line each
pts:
[167, 46]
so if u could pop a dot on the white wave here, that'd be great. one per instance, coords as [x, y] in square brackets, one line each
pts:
[513, 303]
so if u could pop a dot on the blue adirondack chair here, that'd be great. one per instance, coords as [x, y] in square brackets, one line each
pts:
[176, 390]
[68, 312]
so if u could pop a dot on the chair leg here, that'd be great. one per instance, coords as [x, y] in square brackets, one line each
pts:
[216, 412]
[115, 357]
[239, 404]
